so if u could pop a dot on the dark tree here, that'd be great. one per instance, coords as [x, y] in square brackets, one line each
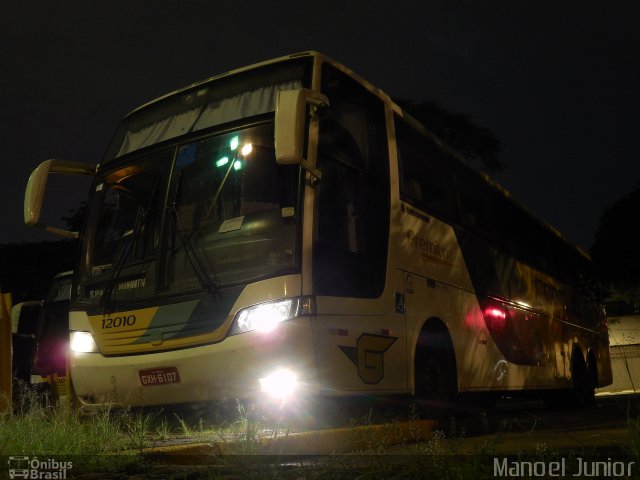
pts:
[76, 217]
[479, 145]
[616, 251]
[28, 268]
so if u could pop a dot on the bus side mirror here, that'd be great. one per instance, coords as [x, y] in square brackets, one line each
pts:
[291, 116]
[34, 194]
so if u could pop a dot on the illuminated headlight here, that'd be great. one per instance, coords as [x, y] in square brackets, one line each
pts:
[82, 342]
[266, 316]
[280, 384]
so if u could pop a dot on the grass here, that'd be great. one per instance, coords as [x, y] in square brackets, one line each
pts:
[110, 439]
[114, 440]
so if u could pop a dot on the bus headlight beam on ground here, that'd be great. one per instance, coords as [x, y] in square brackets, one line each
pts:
[280, 384]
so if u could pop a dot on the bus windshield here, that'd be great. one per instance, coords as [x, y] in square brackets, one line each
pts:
[198, 215]
[189, 197]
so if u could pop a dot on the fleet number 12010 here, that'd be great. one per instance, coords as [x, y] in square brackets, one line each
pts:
[117, 322]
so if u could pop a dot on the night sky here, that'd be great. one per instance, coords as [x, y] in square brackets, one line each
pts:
[558, 82]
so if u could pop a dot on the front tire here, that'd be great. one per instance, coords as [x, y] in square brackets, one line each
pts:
[435, 373]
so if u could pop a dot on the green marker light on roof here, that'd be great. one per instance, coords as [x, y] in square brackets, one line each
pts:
[234, 142]
[222, 162]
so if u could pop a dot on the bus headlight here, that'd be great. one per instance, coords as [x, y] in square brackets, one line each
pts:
[266, 316]
[280, 384]
[82, 342]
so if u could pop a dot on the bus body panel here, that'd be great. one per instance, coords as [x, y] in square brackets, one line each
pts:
[118, 337]
[360, 345]
[539, 336]
[227, 370]
[92, 373]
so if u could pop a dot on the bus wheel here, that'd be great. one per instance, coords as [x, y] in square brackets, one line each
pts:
[582, 392]
[583, 385]
[436, 383]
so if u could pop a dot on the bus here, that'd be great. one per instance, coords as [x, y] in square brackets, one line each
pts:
[286, 230]
[49, 369]
[41, 342]
[24, 327]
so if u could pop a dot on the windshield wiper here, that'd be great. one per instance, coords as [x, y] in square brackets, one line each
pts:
[200, 266]
[131, 237]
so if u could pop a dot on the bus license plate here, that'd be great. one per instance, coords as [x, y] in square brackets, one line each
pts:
[159, 376]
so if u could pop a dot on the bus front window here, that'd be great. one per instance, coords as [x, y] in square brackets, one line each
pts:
[124, 230]
[229, 217]
[190, 199]
[232, 211]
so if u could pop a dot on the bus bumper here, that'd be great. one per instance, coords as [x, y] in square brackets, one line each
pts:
[246, 366]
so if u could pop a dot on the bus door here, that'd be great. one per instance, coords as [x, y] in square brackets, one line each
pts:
[359, 337]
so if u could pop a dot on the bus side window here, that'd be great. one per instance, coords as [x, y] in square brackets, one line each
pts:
[486, 212]
[425, 173]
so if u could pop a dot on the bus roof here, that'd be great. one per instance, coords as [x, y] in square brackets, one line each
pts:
[229, 73]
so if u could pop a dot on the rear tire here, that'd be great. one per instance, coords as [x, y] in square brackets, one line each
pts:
[583, 387]
[582, 393]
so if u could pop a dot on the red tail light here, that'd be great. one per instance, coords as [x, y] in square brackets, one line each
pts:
[496, 318]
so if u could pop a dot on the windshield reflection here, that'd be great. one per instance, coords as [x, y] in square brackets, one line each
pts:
[235, 206]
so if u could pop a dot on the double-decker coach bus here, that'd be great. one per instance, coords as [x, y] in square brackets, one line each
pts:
[286, 229]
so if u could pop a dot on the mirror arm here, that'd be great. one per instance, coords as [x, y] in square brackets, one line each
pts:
[315, 102]
[316, 175]
[58, 231]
